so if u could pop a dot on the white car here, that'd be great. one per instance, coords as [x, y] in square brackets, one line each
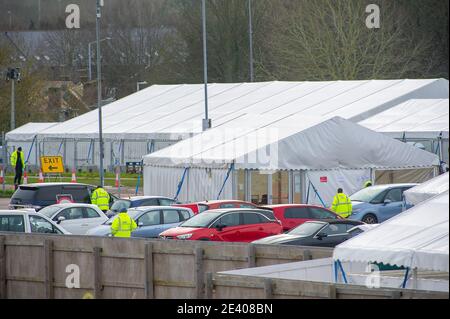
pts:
[28, 221]
[78, 219]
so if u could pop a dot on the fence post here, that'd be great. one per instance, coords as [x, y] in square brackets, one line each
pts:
[97, 273]
[251, 256]
[268, 288]
[209, 286]
[48, 251]
[307, 255]
[3, 293]
[199, 276]
[149, 279]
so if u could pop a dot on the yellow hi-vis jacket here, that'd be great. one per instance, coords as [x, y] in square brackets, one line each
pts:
[342, 205]
[100, 197]
[14, 157]
[123, 225]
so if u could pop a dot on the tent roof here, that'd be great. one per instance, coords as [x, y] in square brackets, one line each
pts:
[427, 190]
[417, 118]
[28, 131]
[292, 143]
[417, 238]
[175, 111]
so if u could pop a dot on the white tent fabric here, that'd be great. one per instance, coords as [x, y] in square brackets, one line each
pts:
[173, 112]
[413, 119]
[417, 238]
[28, 131]
[427, 190]
[297, 143]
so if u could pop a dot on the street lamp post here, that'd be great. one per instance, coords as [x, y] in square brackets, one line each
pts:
[99, 92]
[250, 35]
[13, 75]
[90, 56]
[206, 124]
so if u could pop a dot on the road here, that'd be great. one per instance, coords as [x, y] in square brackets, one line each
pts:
[4, 202]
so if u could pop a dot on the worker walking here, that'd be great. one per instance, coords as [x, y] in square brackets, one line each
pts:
[342, 204]
[18, 163]
[123, 225]
[100, 197]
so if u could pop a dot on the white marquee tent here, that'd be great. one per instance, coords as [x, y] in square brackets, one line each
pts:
[161, 115]
[416, 239]
[345, 152]
[427, 190]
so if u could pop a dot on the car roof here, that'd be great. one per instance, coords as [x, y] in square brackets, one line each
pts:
[336, 221]
[385, 186]
[136, 198]
[144, 208]
[54, 184]
[289, 205]
[222, 201]
[64, 205]
[229, 210]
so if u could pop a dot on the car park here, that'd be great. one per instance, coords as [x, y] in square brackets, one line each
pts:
[293, 215]
[75, 218]
[327, 233]
[122, 204]
[28, 221]
[38, 196]
[376, 204]
[227, 225]
[151, 221]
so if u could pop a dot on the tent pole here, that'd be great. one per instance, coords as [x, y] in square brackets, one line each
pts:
[291, 187]
[405, 280]
[269, 189]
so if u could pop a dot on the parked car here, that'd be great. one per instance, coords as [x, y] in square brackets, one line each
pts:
[357, 230]
[222, 204]
[121, 205]
[293, 215]
[326, 233]
[151, 221]
[376, 204]
[228, 225]
[28, 221]
[38, 196]
[75, 218]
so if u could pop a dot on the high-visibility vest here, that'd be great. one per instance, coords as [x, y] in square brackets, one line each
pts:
[342, 205]
[100, 197]
[123, 225]
[14, 157]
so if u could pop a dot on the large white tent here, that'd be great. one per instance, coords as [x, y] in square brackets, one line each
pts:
[161, 115]
[340, 150]
[427, 190]
[416, 239]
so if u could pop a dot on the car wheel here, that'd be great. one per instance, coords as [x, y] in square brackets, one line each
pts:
[370, 219]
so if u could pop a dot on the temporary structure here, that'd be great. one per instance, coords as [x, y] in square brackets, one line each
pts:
[338, 151]
[161, 115]
[427, 190]
[416, 239]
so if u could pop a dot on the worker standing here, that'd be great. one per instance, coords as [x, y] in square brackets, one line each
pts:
[100, 197]
[18, 163]
[123, 225]
[342, 204]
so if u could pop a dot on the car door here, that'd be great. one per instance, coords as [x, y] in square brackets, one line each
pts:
[92, 218]
[149, 224]
[232, 228]
[392, 204]
[74, 221]
[295, 216]
[40, 225]
[171, 219]
[253, 227]
[335, 235]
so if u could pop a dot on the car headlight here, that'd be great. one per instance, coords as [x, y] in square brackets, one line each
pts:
[183, 237]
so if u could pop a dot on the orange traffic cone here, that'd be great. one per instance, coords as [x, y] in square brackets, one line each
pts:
[25, 178]
[74, 176]
[41, 177]
[2, 176]
[117, 179]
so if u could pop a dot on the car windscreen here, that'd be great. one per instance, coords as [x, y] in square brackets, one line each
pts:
[49, 211]
[201, 220]
[367, 195]
[25, 194]
[121, 205]
[306, 229]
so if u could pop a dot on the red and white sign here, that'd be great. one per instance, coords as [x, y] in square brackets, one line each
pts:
[64, 199]
[324, 179]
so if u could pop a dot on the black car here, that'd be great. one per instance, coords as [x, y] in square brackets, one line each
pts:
[324, 233]
[41, 195]
[139, 201]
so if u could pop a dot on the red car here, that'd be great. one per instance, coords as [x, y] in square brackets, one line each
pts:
[217, 204]
[293, 215]
[228, 225]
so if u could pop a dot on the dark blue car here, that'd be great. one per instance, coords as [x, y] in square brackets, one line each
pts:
[376, 204]
[121, 205]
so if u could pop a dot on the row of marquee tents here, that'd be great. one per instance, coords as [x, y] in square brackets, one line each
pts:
[314, 135]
